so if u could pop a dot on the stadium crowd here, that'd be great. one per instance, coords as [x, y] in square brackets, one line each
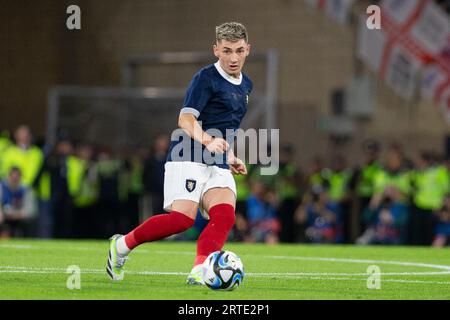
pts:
[81, 190]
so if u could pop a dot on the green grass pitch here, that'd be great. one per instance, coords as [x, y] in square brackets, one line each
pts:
[36, 269]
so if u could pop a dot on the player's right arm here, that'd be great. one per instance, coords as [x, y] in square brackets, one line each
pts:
[198, 95]
[188, 122]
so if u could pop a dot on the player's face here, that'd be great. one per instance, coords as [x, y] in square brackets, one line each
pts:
[232, 55]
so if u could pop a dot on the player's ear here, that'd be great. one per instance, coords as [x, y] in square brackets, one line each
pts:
[248, 48]
[216, 50]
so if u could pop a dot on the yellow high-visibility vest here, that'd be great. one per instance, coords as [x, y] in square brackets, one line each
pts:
[431, 186]
[287, 189]
[29, 161]
[400, 180]
[44, 187]
[366, 185]
[339, 184]
[82, 188]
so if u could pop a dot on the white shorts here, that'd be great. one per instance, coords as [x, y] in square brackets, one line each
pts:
[186, 180]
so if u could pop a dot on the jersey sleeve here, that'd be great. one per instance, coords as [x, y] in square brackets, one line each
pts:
[198, 94]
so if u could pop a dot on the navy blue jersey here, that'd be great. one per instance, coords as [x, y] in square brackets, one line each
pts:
[218, 101]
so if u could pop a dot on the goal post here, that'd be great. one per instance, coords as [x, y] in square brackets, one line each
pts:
[131, 115]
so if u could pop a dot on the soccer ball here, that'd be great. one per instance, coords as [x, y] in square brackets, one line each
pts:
[224, 271]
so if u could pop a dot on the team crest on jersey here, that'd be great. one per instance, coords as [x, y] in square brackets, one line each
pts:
[190, 185]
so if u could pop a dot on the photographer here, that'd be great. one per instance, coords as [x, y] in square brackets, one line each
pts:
[442, 230]
[319, 217]
[386, 220]
[262, 217]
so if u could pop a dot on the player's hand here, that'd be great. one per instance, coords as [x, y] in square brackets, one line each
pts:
[217, 145]
[238, 167]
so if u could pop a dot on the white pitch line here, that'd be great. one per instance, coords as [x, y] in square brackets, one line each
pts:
[16, 246]
[446, 269]
[343, 260]
[7, 269]
[399, 263]
[305, 276]
[259, 274]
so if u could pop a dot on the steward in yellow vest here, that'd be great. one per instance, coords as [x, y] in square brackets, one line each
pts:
[365, 180]
[339, 182]
[393, 175]
[316, 179]
[243, 191]
[287, 186]
[83, 186]
[135, 186]
[23, 155]
[59, 222]
[5, 143]
[430, 181]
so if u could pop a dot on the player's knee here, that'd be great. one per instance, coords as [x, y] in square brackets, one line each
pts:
[186, 207]
[181, 221]
[224, 214]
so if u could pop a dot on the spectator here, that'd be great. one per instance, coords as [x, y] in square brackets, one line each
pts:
[109, 214]
[288, 190]
[339, 181]
[320, 217]
[261, 214]
[29, 159]
[240, 232]
[365, 179]
[136, 169]
[154, 172]
[23, 155]
[387, 222]
[17, 206]
[442, 230]
[55, 219]
[316, 175]
[243, 192]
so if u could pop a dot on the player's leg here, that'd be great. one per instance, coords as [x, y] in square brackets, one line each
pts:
[180, 218]
[220, 204]
[181, 198]
[157, 227]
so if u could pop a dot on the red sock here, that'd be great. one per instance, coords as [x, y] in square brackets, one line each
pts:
[215, 234]
[158, 227]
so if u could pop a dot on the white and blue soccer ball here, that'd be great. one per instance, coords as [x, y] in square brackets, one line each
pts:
[223, 271]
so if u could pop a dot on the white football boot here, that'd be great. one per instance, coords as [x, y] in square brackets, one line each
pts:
[115, 263]
[196, 275]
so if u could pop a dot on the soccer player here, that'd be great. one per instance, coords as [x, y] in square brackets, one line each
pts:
[216, 98]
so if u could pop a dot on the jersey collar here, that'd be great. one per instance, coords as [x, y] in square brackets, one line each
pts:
[226, 76]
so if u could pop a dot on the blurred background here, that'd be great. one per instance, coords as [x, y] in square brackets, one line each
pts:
[86, 116]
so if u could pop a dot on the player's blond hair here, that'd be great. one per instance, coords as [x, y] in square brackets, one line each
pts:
[231, 31]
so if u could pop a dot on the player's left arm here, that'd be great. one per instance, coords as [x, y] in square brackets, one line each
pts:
[237, 166]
